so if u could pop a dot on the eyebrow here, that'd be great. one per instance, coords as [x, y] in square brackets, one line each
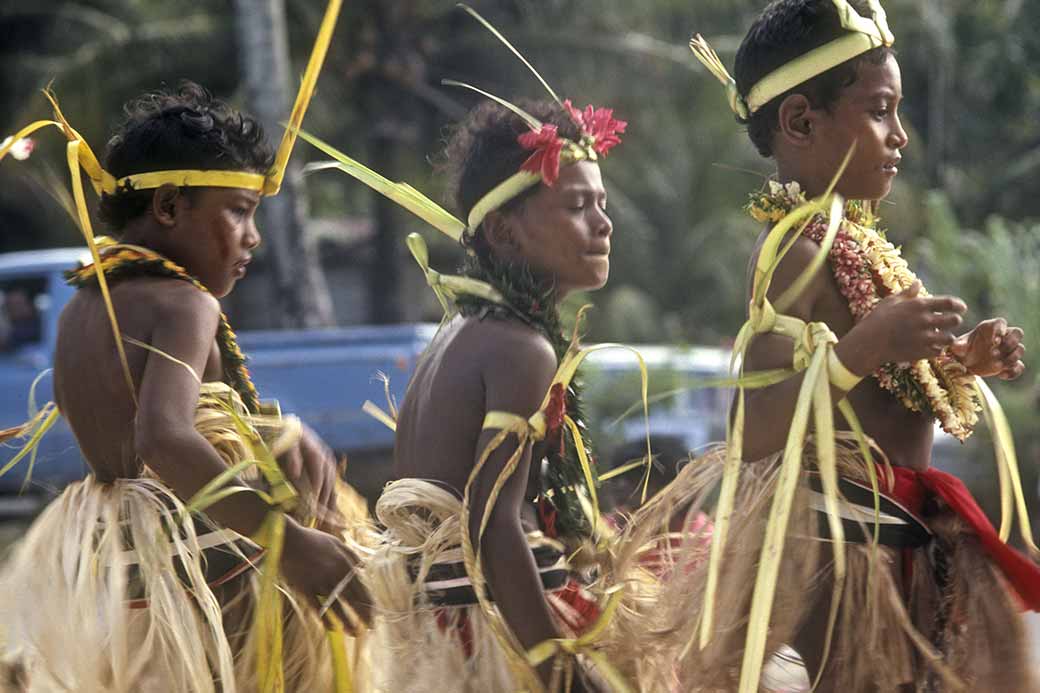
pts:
[885, 93]
[581, 189]
[247, 196]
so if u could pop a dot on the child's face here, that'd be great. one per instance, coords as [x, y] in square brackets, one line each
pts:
[564, 232]
[214, 234]
[867, 114]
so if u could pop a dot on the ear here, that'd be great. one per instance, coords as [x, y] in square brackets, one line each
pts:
[797, 120]
[165, 204]
[500, 232]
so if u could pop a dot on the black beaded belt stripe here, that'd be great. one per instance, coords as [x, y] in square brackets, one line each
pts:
[447, 583]
[898, 527]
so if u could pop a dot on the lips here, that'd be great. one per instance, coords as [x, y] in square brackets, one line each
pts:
[892, 165]
[239, 268]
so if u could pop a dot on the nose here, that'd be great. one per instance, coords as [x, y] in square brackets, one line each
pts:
[251, 239]
[898, 137]
[603, 227]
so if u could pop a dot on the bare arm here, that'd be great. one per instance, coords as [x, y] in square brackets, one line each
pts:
[904, 327]
[164, 432]
[520, 367]
[166, 440]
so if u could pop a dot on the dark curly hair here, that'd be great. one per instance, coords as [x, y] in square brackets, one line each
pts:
[785, 30]
[183, 129]
[483, 151]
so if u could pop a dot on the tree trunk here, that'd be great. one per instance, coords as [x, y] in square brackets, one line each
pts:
[301, 293]
[384, 280]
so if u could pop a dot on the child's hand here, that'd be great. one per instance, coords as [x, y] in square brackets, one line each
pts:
[906, 327]
[314, 564]
[311, 467]
[992, 348]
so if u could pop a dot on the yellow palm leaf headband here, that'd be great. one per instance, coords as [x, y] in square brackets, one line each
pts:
[265, 184]
[80, 156]
[864, 35]
[599, 129]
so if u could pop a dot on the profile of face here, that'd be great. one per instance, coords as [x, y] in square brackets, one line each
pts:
[562, 232]
[866, 114]
[210, 232]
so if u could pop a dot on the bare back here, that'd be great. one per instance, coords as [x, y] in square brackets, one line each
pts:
[89, 385]
[442, 417]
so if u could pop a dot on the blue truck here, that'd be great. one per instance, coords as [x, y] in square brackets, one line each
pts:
[322, 375]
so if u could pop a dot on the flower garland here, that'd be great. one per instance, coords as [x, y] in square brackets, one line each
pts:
[125, 262]
[560, 510]
[868, 268]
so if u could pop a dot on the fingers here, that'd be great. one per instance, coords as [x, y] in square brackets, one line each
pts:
[944, 321]
[945, 304]
[1007, 342]
[1013, 372]
[912, 290]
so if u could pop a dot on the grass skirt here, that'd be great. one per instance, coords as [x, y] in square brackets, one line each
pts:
[887, 633]
[419, 645]
[109, 591]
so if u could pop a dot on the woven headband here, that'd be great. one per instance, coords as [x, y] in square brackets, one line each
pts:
[864, 35]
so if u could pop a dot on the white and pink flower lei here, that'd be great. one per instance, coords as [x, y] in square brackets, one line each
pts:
[868, 268]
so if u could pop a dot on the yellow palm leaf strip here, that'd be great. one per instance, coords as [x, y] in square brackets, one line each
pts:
[568, 369]
[761, 315]
[218, 488]
[1007, 494]
[373, 410]
[586, 469]
[1004, 446]
[497, 34]
[341, 674]
[35, 428]
[826, 462]
[73, 154]
[531, 121]
[723, 513]
[769, 255]
[776, 528]
[401, 193]
[163, 354]
[268, 618]
[25, 132]
[828, 202]
[750, 381]
[303, 96]
[836, 214]
[471, 554]
[585, 645]
[845, 407]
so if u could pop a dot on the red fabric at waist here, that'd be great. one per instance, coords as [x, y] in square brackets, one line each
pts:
[913, 488]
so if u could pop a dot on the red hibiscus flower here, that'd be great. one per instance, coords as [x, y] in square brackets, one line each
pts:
[600, 124]
[547, 145]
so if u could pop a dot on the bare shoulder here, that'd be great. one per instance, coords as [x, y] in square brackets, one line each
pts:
[517, 364]
[793, 265]
[179, 299]
[516, 343]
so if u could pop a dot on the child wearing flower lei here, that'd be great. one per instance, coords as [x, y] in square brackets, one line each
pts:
[868, 268]
[840, 540]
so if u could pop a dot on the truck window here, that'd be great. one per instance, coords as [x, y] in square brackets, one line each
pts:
[22, 303]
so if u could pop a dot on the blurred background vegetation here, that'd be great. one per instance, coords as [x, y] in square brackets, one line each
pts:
[965, 208]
